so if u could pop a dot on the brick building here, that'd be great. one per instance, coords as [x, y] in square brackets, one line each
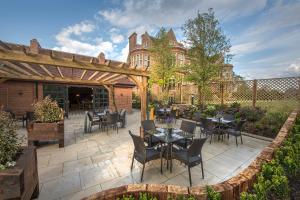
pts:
[23, 83]
[140, 57]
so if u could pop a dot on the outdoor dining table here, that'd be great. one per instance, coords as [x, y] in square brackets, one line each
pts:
[167, 110]
[221, 123]
[165, 137]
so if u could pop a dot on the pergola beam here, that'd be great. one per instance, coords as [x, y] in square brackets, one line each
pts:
[59, 71]
[30, 68]
[15, 67]
[10, 71]
[82, 75]
[51, 79]
[41, 59]
[46, 70]
[100, 77]
[117, 78]
[110, 77]
[93, 75]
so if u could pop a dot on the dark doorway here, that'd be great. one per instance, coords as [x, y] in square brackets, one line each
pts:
[80, 98]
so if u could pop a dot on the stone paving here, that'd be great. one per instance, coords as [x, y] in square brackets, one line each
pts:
[93, 162]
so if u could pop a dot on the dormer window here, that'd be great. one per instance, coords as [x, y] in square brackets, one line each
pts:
[146, 44]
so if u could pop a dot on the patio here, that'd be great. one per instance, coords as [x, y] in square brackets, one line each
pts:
[93, 162]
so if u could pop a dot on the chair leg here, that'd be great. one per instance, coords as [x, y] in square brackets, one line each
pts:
[161, 164]
[241, 139]
[210, 138]
[142, 172]
[202, 169]
[117, 129]
[236, 141]
[189, 169]
[132, 161]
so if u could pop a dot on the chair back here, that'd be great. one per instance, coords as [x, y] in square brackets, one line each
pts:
[239, 125]
[198, 117]
[148, 125]
[29, 116]
[207, 124]
[113, 117]
[139, 145]
[173, 113]
[90, 116]
[122, 113]
[196, 147]
[229, 117]
[188, 126]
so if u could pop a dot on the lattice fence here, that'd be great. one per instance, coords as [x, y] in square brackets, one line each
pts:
[251, 91]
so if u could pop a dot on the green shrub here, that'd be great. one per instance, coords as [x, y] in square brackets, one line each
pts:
[212, 194]
[210, 110]
[47, 111]
[271, 123]
[280, 178]
[250, 114]
[9, 143]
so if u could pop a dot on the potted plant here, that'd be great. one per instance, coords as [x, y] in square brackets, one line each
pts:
[18, 165]
[48, 122]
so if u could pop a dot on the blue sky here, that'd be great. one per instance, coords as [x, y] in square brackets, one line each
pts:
[265, 34]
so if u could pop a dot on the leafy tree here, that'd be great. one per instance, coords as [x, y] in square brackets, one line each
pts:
[208, 47]
[163, 67]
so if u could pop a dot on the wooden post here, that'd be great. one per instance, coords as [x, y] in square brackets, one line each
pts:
[254, 93]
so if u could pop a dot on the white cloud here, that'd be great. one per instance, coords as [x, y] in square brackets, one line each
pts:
[116, 38]
[272, 42]
[124, 53]
[175, 12]
[68, 42]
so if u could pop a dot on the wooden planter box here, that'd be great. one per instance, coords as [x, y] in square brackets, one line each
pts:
[21, 181]
[46, 132]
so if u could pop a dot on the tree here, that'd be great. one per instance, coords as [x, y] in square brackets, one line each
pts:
[208, 48]
[163, 67]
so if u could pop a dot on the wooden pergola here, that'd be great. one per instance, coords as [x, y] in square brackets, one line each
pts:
[33, 63]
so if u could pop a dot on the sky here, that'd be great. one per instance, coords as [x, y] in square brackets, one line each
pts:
[264, 34]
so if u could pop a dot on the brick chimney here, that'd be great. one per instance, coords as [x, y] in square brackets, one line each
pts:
[101, 58]
[132, 41]
[34, 46]
[145, 39]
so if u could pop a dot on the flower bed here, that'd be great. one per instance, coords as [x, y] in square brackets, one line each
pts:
[229, 189]
[263, 121]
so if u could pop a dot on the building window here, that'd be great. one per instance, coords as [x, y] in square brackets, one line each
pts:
[146, 60]
[146, 44]
[181, 59]
[140, 60]
[137, 60]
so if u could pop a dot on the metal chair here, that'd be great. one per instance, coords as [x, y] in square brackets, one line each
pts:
[143, 154]
[93, 121]
[191, 156]
[208, 128]
[229, 117]
[149, 126]
[122, 118]
[111, 121]
[236, 131]
[186, 127]
[28, 117]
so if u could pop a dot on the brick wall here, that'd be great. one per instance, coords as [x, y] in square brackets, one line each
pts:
[17, 96]
[123, 98]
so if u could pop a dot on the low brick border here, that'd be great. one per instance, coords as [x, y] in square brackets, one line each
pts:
[229, 189]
